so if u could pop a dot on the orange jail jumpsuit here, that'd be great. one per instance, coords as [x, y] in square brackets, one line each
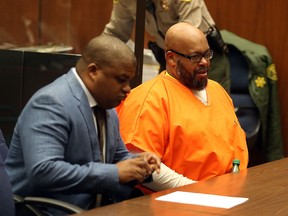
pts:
[198, 141]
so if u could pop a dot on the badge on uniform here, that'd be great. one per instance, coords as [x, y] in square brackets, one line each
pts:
[260, 82]
[164, 4]
[271, 72]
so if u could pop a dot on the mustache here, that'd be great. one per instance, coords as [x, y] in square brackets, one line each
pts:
[201, 69]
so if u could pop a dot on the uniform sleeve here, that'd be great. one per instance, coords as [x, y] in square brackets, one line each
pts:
[121, 22]
[189, 11]
[193, 11]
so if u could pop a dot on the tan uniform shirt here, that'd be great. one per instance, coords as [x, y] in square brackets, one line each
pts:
[168, 13]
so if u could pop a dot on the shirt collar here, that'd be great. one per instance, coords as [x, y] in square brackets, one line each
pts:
[90, 98]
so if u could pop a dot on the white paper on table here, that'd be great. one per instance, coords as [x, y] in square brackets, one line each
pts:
[203, 199]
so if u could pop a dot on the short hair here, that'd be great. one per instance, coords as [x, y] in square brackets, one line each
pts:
[107, 50]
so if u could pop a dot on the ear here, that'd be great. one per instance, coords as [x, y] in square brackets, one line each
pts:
[92, 70]
[170, 57]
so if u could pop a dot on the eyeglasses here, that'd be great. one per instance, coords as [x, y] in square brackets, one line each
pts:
[196, 57]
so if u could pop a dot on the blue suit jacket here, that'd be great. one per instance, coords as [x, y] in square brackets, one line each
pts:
[54, 151]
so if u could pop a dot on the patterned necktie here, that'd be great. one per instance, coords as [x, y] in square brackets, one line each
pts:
[100, 114]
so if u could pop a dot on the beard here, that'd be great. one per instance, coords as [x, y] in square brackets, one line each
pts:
[189, 79]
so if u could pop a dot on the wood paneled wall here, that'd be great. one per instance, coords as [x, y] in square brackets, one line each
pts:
[19, 23]
[40, 22]
[75, 22]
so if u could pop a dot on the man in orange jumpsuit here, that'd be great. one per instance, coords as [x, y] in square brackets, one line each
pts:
[184, 117]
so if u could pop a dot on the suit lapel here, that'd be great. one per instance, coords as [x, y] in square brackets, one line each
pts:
[85, 110]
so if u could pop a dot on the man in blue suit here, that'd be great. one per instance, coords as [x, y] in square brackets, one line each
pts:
[55, 150]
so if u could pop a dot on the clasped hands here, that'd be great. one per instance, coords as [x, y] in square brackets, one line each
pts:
[139, 167]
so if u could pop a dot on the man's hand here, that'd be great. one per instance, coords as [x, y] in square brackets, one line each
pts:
[153, 161]
[138, 168]
[132, 169]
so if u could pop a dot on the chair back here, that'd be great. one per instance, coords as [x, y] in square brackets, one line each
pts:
[7, 206]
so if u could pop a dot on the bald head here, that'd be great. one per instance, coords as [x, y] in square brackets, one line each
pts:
[182, 42]
[184, 37]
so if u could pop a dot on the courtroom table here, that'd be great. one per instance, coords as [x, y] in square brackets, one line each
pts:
[265, 185]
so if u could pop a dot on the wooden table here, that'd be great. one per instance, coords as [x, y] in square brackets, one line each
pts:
[265, 185]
